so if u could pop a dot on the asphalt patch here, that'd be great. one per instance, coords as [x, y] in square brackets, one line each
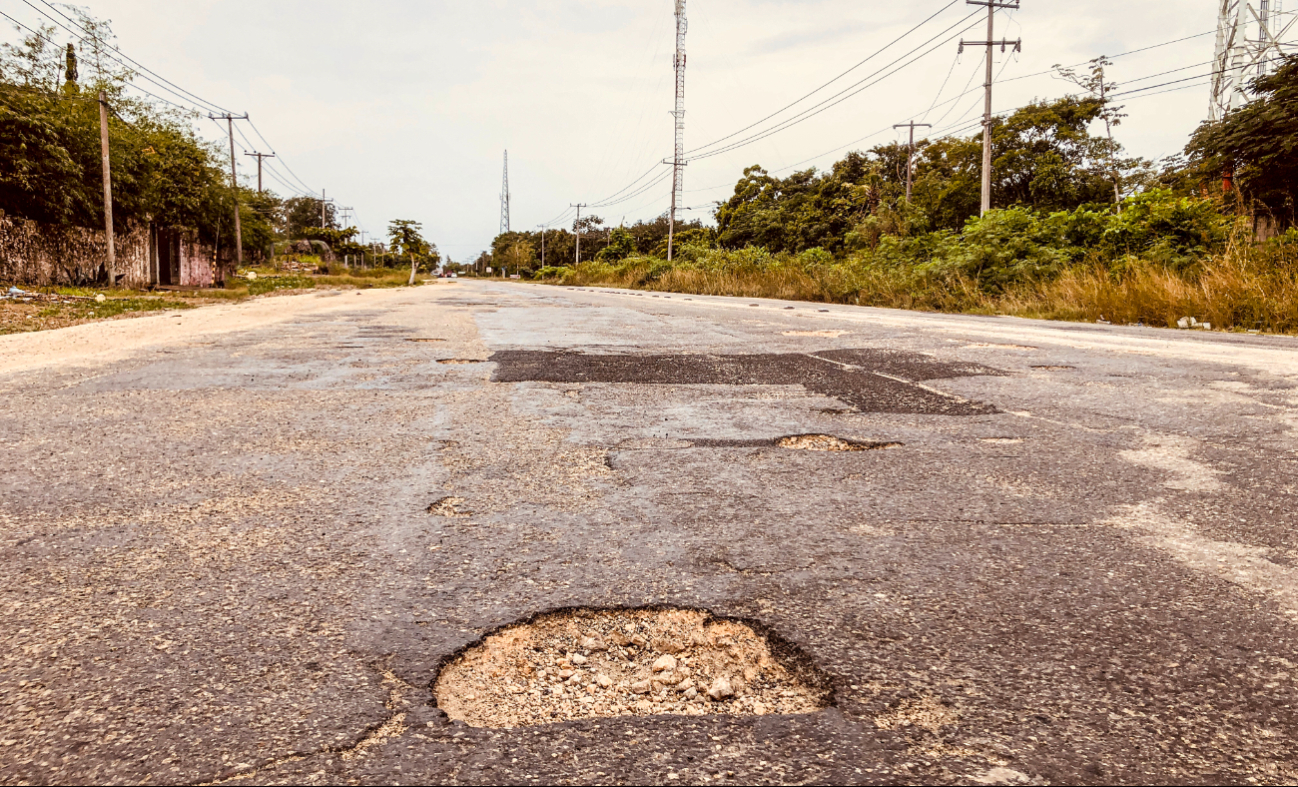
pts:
[866, 380]
[603, 663]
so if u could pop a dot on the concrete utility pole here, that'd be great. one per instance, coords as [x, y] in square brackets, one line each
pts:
[576, 227]
[678, 160]
[259, 157]
[542, 228]
[234, 184]
[910, 157]
[108, 190]
[504, 199]
[323, 202]
[992, 5]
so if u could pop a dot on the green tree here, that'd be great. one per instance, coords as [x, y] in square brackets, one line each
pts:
[1257, 144]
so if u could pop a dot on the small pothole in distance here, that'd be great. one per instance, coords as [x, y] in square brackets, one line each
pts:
[449, 507]
[459, 361]
[424, 341]
[585, 664]
[824, 442]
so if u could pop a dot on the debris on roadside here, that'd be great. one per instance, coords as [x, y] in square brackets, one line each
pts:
[1189, 322]
[27, 296]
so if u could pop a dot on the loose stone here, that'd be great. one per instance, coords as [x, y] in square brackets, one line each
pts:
[721, 689]
[666, 663]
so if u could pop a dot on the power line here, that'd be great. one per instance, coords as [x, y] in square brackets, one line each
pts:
[838, 98]
[878, 52]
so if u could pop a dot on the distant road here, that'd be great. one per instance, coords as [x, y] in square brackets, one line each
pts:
[1066, 552]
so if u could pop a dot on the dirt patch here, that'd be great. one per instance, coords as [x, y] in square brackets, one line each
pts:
[605, 663]
[824, 442]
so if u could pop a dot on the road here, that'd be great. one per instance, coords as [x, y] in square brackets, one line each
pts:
[1076, 560]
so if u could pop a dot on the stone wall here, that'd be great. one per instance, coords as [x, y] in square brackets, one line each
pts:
[40, 255]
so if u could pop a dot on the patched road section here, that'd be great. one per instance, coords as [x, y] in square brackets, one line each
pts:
[486, 533]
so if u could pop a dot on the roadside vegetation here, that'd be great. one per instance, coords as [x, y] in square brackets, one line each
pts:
[1078, 231]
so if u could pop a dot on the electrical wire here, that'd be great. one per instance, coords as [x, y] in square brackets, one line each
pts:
[878, 52]
[134, 62]
[843, 95]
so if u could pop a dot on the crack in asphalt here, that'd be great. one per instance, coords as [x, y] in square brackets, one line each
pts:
[375, 735]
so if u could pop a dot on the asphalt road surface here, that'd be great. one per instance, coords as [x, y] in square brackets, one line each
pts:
[1077, 562]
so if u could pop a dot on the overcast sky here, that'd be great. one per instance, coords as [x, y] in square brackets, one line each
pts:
[403, 109]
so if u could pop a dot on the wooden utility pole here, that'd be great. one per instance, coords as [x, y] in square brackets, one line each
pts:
[108, 190]
[234, 184]
[992, 5]
[259, 157]
[577, 230]
[910, 156]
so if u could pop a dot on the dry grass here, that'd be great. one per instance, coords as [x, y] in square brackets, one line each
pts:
[18, 317]
[1245, 287]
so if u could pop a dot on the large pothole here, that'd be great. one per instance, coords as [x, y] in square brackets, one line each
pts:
[583, 664]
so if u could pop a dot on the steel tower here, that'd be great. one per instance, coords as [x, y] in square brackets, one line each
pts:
[1249, 33]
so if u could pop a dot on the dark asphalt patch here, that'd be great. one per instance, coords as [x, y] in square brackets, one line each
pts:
[868, 381]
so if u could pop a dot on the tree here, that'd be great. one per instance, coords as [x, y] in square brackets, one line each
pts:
[1257, 145]
[404, 237]
[301, 213]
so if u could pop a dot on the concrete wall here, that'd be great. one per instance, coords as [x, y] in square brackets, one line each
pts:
[40, 255]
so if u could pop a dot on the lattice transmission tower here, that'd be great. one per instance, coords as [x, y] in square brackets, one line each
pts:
[1249, 36]
[678, 160]
[504, 198]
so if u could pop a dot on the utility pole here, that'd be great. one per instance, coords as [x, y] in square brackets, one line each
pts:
[108, 190]
[259, 157]
[323, 202]
[910, 157]
[992, 5]
[542, 228]
[504, 199]
[234, 184]
[577, 229]
[678, 160]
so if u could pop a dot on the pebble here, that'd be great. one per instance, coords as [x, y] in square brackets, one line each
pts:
[666, 663]
[639, 641]
[578, 659]
[644, 687]
[593, 643]
[603, 680]
[691, 693]
[566, 673]
[685, 685]
[721, 689]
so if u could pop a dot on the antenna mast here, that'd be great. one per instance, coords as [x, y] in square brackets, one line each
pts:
[677, 162]
[1240, 56]
[504, 199]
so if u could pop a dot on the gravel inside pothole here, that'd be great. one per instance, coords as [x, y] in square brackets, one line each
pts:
[592, 664]
[824, 442]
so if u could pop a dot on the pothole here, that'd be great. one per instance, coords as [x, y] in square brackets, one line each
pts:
[1001, 440]
[425, 340]
[824, 442]
[584, 664]
[459, 361]
[1053, 368]
[823, 334]
[449, 507]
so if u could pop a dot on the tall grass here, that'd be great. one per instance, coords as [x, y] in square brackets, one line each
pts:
[1244, 286]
